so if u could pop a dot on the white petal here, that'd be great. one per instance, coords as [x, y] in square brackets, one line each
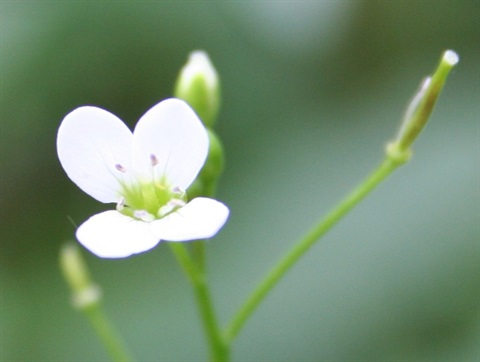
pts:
[111, 234]
[201, 218]
[177, 139]
[90, 143]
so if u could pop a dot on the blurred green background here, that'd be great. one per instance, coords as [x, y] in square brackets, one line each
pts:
[312, 91]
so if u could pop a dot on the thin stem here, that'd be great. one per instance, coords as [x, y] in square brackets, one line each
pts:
[219, 350]
[198, 254]
[86, 297]
[303, 245]
[397, 153]
[106, 333]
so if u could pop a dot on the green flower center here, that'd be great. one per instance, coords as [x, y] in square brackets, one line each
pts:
[150, 200]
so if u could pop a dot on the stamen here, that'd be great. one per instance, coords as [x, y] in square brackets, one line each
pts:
[121, 204]
[153, 160]
[120, 168]
[177, 202]
[160, 186]
[172, 205]
[177, 190]
[143, 215]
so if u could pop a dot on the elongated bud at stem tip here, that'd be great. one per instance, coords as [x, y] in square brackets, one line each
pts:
[75, 272]
[421, 106]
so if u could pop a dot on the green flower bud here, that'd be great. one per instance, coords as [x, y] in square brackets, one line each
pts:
[74, 270]
[198, 85]
[420, 108]
[206, 181]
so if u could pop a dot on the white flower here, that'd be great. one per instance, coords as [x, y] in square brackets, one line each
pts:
[144, 173]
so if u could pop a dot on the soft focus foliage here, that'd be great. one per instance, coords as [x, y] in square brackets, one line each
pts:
[312, 91]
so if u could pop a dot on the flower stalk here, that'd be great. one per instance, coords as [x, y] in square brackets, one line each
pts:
[397, 153]
[198, 85]
[218, 349]
[303, 245]
[86, 297]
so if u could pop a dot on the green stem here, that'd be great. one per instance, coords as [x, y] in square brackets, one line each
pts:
[390, 163]
[106, 333]
[198, 254]
[219, 350]
[86, 297]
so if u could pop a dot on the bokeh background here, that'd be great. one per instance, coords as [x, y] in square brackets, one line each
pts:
[312, 91]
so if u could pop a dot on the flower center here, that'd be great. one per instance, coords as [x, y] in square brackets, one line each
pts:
[152, 199]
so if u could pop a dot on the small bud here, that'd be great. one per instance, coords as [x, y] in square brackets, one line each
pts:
[421, 105]
[74, 269]
[198, 85]
[206, 181]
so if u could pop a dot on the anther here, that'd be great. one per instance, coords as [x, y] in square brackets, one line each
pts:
[177, 190]
[172, 205]
[153, 160]
[120, 168]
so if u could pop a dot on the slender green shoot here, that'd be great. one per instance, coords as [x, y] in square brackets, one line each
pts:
[398, 153]
[219, 350]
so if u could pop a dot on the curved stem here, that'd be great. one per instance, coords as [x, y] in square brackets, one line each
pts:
[302, 246]
[397, 153]
[219, 350]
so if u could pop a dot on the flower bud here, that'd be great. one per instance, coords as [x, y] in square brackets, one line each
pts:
[420, 108]
[206, 181]
[74, 269]
[198, 85]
